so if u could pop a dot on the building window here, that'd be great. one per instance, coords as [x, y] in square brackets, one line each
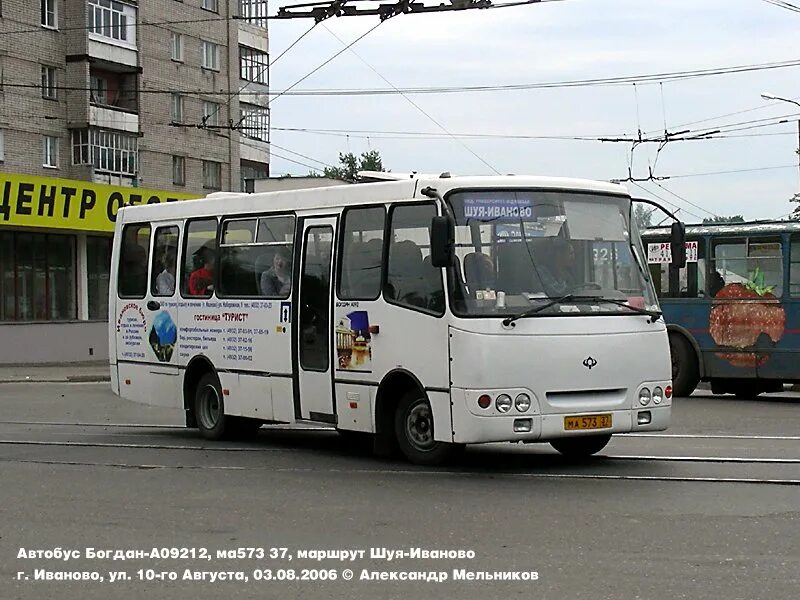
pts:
[212, 5]
[99, 90]
[252, 170]
[210, 56]
[2, 145]
[113, 20]
[254, 12]
[49, 82]
[49, 14]
[179, 170]
[107, 151]
[98, 259]
[177, 108]
[211, 113]
[255, 122]
[254, 65]
[177, 46]
[50, 152]
[37, 277]
[212, 175]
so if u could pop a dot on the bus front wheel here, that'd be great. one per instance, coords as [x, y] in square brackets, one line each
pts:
[685, 370]
[413, 427]
[577, 447]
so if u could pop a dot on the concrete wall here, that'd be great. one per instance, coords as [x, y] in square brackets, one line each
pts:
[53, 342]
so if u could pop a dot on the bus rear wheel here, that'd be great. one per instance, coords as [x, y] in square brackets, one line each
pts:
[685, 370]
[577, 447]
[413, 428]
[209, 408]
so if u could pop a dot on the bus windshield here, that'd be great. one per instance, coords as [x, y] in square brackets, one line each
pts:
[518, 249]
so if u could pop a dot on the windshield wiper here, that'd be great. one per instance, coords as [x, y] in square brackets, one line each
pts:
[653, 314]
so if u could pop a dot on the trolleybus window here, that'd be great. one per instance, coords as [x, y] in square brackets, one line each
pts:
[133, 261]
[411, 278]
[200, 258]
[751, 261]
[165, 261]
[794, 267]
[688, 282]
[362, 253]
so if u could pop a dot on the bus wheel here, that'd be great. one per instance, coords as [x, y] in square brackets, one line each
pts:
[413, 428]
[577, 447]
[209, 407]
[685, 370]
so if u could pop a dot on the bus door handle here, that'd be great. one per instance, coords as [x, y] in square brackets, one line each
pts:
[153, 305]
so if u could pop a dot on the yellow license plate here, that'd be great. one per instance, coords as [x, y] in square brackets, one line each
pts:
[587, 422]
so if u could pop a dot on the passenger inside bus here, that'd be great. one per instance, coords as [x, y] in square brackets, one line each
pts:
[479, 273]
[201, 281]
[165, 281]
[558, 271]
[277, 280]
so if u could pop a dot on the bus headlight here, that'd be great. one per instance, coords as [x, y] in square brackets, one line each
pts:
[503, 403]
[644, 396]
[522, 402]
[658, 395]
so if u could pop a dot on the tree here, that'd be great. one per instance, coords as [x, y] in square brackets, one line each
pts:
[351, 165]
[643, 216]
[796, 212]
[720, 219]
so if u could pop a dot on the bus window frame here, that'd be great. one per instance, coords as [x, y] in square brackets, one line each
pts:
[340, 252]
[792, 238]
[184, 249]
[152, 281]
[151, 237]
[386, 248]
[245, 217]
[764, 238]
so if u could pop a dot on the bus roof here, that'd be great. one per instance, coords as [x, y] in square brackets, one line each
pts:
[750, 227]
[354, 195]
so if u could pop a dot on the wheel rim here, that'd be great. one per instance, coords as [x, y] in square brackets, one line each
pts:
[419, 427]
[210, 407]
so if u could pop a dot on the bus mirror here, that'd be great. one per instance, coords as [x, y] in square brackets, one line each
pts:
[442, 241]
[678, 245]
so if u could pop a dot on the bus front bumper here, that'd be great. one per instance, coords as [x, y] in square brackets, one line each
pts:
[469, 428]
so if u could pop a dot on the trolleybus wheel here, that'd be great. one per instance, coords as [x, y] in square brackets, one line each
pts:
[413, 427]
[581, 446]
[685, 370]
[209, 408]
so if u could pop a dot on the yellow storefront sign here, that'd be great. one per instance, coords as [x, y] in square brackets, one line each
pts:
[29, 201]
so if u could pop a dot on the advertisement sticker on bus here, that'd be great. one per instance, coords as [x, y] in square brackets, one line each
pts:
[660, 253]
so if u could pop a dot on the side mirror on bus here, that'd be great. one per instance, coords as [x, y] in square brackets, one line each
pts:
[678, 245]
[443, 234]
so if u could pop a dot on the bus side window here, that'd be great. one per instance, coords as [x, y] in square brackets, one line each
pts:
[361, 259]
[411, 279]
[199, 258]
[749, 260]
[794, 266]
[688, 282]
[165, 261]
[133, 261]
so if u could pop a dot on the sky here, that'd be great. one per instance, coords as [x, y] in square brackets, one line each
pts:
[555, 41]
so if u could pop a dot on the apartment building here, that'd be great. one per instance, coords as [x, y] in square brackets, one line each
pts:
[105, 103]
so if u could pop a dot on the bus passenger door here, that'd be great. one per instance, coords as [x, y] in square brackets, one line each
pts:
[313, 369]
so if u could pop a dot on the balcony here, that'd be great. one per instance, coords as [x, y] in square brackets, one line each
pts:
[112, 31]
[113, 99]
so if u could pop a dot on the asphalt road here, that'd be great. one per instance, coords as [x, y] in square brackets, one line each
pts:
[709, 509]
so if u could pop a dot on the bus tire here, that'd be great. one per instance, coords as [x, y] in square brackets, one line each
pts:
[413, 428]
[581, 447]
[209, 408]
[685, 370]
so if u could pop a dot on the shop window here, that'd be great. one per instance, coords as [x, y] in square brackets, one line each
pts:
[256, 257]
[98, 259]
[361, 260]
[199, 258]
[134, 255]
[753, 262]
[411, 279]
[165, 262]
[37, 277]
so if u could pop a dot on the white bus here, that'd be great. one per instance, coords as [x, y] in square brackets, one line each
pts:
[428, 312]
